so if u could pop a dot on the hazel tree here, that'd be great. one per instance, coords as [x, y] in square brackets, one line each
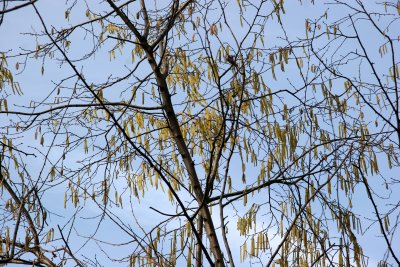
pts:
[205, 133]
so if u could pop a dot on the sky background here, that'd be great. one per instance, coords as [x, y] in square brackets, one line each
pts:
[36, 87]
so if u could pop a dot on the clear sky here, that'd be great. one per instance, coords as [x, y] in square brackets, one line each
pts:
[36, 87]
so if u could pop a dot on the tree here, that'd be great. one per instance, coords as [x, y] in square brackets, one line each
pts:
[215, 135]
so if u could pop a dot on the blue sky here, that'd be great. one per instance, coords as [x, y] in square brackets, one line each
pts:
[97, 69]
